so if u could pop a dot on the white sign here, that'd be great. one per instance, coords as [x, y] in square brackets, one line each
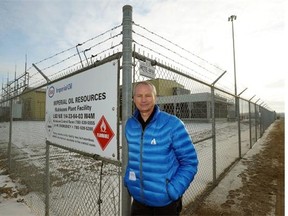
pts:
[146, 69]
[81, 111]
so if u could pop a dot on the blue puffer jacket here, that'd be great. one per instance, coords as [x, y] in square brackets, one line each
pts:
[162, 160]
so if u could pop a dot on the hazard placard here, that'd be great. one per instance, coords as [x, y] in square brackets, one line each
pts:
[103, 133]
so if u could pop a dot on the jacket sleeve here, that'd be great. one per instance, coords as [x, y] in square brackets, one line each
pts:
[187, 158]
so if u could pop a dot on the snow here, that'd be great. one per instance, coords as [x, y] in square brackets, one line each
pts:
[11, 206]
[16, 206]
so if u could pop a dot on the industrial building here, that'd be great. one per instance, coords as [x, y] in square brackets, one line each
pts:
[173, 98]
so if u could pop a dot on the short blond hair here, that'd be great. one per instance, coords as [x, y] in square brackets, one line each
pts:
[154, 92]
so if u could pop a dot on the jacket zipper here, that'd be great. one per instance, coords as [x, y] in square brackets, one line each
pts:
[141, 167]
[141, 159]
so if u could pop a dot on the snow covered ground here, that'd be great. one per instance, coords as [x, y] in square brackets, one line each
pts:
[10, 206]
[33, 144]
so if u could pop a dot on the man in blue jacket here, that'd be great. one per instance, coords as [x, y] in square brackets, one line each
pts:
[162, 160]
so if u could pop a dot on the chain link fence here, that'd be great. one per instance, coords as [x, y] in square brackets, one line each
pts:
[62, 181]
[191, 100]
[81, 185]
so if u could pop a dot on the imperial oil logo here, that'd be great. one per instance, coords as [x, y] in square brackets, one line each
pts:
[51, 91]
[64, 88]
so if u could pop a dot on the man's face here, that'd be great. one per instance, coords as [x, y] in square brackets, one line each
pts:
[144, 98]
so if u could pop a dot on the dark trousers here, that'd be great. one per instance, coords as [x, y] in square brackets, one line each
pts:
[173, 208]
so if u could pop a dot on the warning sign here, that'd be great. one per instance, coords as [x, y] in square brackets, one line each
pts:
[103, 133]
[75, 110]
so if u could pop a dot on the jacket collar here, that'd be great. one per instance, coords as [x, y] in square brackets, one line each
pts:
[157, 111]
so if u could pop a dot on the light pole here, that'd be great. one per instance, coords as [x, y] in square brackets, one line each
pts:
[237, 110]
[232, 18]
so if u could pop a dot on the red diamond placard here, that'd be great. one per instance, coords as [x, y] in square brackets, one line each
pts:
[103, 133]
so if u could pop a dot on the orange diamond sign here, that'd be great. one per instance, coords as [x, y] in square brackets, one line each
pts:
[103, 133]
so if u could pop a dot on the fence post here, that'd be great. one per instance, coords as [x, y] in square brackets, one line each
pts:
[213, 134]
[250, 121]
[214, 161]
[10, 135]
[256, 121]
[238, 123]
[47, 181]
[250, 124]
[261, 120]
[126, 96]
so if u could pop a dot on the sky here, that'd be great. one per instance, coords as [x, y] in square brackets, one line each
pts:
[40, 28]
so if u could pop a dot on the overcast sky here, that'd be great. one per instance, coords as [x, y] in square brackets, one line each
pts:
[42, 28]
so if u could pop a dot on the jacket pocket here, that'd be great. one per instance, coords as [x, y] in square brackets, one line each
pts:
[167, 191]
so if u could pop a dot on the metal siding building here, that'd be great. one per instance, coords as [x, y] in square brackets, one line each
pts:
[34, 103]
[173, 98]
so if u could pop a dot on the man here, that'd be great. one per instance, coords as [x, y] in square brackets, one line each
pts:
[162, 161]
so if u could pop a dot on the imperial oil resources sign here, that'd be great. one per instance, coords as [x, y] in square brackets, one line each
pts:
[81, 111]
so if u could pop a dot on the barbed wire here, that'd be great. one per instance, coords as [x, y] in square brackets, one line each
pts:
[97, 54]
[111, 37]
[200, 76]
[74, 55]
[36, 80]
[170, 50]
[166, 57]
[181, 48]
[57, 74]
[57, 63]
[93, 38]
